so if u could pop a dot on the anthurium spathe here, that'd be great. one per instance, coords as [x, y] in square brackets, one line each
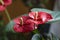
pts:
[40, 17]
[7, 2]
[2, 8]
[4, 4]
[21, 24]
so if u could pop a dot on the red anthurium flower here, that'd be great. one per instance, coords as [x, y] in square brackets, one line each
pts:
[40, 17]
[2, 8]
[22, 25]
[7, 2]
[4, 4]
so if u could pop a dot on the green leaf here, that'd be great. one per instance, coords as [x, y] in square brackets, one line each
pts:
[36, 31]
[41, 9]
[9, 27]
[56, 17]
[36, 37]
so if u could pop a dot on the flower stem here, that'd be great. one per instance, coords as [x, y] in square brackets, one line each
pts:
[7, 14]
[2, 2]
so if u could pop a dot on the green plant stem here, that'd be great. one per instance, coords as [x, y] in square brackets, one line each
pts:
[7, 14]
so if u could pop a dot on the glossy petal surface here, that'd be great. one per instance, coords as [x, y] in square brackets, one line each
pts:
[26, 27]
[42, 17]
